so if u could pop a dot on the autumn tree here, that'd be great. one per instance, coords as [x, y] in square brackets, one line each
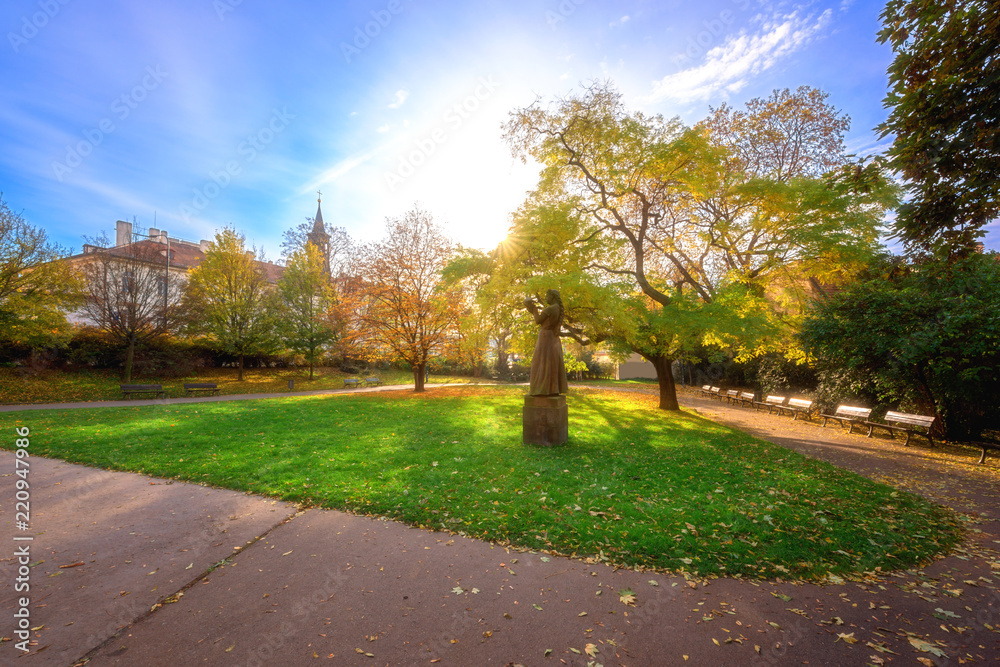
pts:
[697, 228]
[129, 293]
[308, 322]
[486, 322]
[230, 295]
[36, 286]
[401, 308]
[341, 245]
[944, 119]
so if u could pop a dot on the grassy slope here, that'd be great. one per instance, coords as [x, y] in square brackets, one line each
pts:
[643, 487]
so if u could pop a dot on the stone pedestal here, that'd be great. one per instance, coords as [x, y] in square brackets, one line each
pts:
[545, 420]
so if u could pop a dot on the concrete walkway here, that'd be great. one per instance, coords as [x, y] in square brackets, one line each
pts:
[133, 570]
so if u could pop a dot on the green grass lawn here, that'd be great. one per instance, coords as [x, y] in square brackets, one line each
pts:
[634, 485]
[52, 386]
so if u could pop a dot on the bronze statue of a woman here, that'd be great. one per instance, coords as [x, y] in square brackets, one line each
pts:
[548, 372]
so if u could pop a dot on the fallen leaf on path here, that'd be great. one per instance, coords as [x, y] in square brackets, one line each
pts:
[591, 650]
[921, 645]
[848, 637]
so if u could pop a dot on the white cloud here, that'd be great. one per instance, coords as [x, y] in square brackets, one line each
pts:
[383, 129]
[729, 67]
[622, 21]
[400, 98]
[343, 167]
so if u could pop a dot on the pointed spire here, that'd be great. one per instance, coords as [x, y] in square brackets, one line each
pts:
[318, 224]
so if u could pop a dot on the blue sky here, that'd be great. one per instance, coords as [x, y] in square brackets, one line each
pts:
[193, 114]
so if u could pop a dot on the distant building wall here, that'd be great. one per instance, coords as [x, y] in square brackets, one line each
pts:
[636, 367]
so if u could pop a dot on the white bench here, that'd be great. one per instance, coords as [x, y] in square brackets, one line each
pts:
[852, 415]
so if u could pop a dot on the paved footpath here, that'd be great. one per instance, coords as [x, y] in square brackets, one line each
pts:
[133, 570]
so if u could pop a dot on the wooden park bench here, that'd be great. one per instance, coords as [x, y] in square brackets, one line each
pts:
[771, 402]
[850, 414]
[191, 388]
[373, 382]
[796, 407]
[142, 389]
[746, 399]
[732, 396]
[907, 423]
[705, 390]
[352, 383]
[715, 392]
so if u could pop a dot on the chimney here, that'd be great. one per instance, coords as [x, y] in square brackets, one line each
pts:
[163, 236]
[203, 245]
[123, 233]
[154, 234]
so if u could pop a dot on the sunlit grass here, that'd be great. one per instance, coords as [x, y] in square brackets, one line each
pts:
[635, 485]
[99, 385]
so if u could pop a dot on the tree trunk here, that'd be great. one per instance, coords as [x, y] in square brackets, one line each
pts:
[665, 378]
[129, 359]
[240, 378]
[310, 370]
[418, 377]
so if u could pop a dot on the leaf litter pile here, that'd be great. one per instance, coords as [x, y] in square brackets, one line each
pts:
[634, 486]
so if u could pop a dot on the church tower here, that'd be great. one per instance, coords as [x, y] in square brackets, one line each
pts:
[318, 235]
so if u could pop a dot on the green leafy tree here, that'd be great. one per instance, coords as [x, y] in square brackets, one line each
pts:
[694, 226]
[36, 284]
[232, 301]
[923, 336]
[129, 294]
[945, 119]
[309, 320]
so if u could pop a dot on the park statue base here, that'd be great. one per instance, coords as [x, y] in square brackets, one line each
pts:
[545, 420]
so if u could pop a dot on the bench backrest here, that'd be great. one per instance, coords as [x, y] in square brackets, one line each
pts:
[200, 385]
[908, 419]
[715, 390]
[799, 403]
[706, 387]
[748, 395]
[851, 411]
[776, 400]
[732, 393]
[141, 387]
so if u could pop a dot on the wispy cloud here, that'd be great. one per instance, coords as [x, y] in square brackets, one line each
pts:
[382, 129]
[622, 21]
[343, 167]
[399, 99]
[729, 66]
